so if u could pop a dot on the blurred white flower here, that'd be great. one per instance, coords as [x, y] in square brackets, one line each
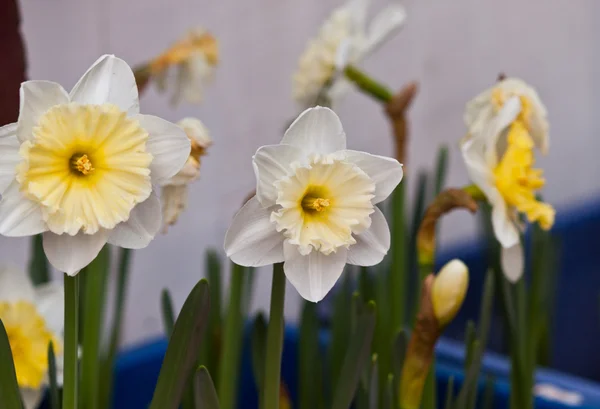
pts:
[32, 317]
[175, 190]
[80, 167]
[314, 207]
[505, 123]
[193, 61]
[343, 39]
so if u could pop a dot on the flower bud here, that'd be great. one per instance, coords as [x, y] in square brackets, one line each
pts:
[449, 290]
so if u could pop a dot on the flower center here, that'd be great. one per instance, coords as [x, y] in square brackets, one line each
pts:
[82, 164]
[517, 181]
[87, 166]
[323, 204]
[28, 337]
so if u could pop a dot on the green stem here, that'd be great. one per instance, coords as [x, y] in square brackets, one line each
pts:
[398, 274]
[71, 343]
[367, 84]
[231, 344]
[270, 394]
[475, 193]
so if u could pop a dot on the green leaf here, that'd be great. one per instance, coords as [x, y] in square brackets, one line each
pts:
[366, 285]
[340, 327]
[468, 392]
[259, 342]
[388, 396]
[310, 382]
[488, 394]
[487, 308]
[182, 350]
[440, 170]
[205, 394]
[71, 342]
[108, 362]
[39, 271]
[232, 344]
[53, 387]
[449, 393]
[94, 298]
[398, 270]
[168, 314]
[418, 209]
[399, 352]
[210, 347]
[9, 388]
[470, 338]
[356, 358]
[374, 385]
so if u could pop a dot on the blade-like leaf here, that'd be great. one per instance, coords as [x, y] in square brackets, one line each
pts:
[488, 394]
[259, 341]
[182, 351]
[310, 394]
[357, 357]
[53, 387]
[449, 393]
[441, 168]
[94, 299]
[39, 270]
[205, 394]
[340, 328]
[210, 348]
[374, 385]
[168, 314]
[9, 388]
[399, 352]
[470, 337]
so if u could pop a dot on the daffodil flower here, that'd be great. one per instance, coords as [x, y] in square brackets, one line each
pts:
[193, 59]
[80, 167]
[314, 207]
[175, 190]
[32, 317]
[343, 39]
[505, 124]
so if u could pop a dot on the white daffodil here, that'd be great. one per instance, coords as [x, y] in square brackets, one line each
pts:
[175, 190]
[194, 59]
[343, 39]
[32, 317]
[505, 124]
[314, 207]
[80, 167]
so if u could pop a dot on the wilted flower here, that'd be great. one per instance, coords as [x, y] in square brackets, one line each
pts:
[194, 59]
[80, 167]
[505, 123]
[343, 39]
[175, 190]
[32, 317]
[314, 207]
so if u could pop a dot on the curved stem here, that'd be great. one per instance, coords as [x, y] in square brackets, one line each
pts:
[367, 84]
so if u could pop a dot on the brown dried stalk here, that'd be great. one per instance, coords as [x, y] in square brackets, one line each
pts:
[396, 110]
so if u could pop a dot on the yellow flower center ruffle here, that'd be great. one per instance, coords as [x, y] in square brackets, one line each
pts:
[29, 338]
[87, 166]
[323, 204]
[517, 181]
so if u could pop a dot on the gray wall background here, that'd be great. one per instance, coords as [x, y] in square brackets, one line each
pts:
[453, 48]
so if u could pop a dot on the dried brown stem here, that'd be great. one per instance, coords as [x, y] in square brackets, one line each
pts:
[396, 110]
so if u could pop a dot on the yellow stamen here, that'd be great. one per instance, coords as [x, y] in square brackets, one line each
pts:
[517, 181]
[197, 150]
[315, 203]
[82, 164]
[28, 337]
[499, 98]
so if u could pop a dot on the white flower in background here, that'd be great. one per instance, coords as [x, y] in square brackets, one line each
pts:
[175, 190]
[343, 39]
[505, 124]
[314, 207]
[32, 317]
[193, 60]
[80, 167]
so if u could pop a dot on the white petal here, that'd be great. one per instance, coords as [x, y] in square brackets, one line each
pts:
[36, 98]
[32, 397]
[513, 262]
[358, 10]
[385, 172]
[72, 253]
[271, 163]
[313, 275]
[504, 228]
[173, 203]
[50, 301]
[9, 152]
[252, 239]
[385, 24]
[19, 216]
[342, 55]
[169, 145]
[372, 244]
[15, 285]
[490, 134]
[316, 130]
[141, 227]
[109, 80]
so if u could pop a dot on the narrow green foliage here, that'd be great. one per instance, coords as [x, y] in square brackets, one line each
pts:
[399, 352]
[209, 350]
[488, 394]
[167, 312]
[340, 327]
[310, 379]
[441, 170]
[366, 285]
[39, 270]
[398, 275]
[374, 384]
[470, 338]
[9, 388]
[71, 343]
[259, 342]
[205, 394]
[449, 394]
[53, 387]
[182, 352]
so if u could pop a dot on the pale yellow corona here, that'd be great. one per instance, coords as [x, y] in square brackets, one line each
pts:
[28, 337]
[87, 165]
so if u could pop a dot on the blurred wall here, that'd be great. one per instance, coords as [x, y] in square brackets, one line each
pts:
[453, 48]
